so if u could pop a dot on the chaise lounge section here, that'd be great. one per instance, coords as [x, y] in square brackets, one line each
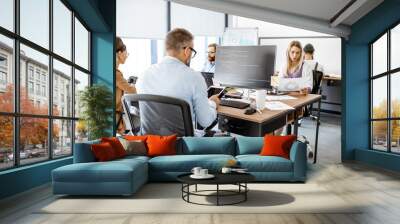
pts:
[125, 176]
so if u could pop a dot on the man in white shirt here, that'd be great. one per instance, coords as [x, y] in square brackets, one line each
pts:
[309, 58]
[209, 66]
[174, 78]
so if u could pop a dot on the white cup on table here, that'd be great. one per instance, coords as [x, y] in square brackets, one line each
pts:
[260, 99]
[196, 171]
[203, 172]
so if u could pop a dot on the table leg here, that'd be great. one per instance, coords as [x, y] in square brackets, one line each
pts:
[317, 131]
[296, 123]
[195, 189]
[217, 194]
[245, 193]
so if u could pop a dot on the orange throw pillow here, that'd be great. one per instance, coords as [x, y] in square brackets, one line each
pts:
[103, 151]
[116, 145]
[277, 145]
[161, 145]
[136, 138]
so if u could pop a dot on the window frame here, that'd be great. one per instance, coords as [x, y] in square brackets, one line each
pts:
[16, 115]
[388, 74]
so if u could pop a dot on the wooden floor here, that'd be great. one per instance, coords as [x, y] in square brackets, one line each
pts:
[377, 189]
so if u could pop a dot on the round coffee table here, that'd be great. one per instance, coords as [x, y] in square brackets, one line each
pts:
[238, 179]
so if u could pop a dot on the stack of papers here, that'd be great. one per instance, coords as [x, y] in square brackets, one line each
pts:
[277, 105]
[279, 97]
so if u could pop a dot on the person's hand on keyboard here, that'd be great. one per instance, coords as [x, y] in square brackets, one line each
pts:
[215, 99]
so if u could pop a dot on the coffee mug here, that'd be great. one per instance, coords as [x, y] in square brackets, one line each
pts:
[226, 170]
[196, 171]
[203, 172]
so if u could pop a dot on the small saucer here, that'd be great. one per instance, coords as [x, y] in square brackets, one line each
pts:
[208, 176]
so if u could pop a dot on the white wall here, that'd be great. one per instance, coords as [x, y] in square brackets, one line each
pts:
[327, 52]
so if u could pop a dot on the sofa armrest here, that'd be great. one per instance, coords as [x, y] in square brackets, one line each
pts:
[298, 155]
[83, 152]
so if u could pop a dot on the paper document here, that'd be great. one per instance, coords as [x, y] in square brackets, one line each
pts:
[277, 97]
[277, 105]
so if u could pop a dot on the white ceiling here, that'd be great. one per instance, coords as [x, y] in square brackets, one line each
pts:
[319, 9]
[314, 15]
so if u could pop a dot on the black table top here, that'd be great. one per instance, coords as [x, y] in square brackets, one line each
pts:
[220, 178]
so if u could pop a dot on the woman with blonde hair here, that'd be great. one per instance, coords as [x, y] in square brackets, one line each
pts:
[122, 85]
[295, 67]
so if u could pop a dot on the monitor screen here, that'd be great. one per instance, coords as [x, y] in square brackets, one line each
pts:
[245, 66]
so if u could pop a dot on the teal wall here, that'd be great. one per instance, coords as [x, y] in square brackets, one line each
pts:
[99, 16]
[355, 128]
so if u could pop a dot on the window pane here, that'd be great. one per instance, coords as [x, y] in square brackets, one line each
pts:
[81, 45]
[62, 138]
[81, 131]
[6, 142]
[62, 89]
[62, 29]
[395, 47]
[395, 138]
[35, 21]
[6, 75]
[7, 14]
[379, 98]
[379, 55]
[81, 81]
[34, 72]
[379, 135]
[33, 139]
[395, 95]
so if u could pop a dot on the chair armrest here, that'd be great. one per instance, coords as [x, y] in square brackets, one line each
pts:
[298, 155]
[83, 152]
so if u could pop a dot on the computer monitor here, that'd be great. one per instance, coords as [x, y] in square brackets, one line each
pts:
[245, 66]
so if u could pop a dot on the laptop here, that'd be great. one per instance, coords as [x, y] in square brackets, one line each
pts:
[291, 84]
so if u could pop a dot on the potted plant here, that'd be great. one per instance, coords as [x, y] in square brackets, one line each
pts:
[96, 104]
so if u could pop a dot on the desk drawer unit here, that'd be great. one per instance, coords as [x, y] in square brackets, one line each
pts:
[249, 128]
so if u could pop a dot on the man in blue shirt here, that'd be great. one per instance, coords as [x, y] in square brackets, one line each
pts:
[174, 78]
[209, 66]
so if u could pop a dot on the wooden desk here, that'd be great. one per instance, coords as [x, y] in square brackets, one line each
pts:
[234, 120]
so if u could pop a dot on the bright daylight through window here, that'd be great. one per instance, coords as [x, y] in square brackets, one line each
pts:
[43, 78]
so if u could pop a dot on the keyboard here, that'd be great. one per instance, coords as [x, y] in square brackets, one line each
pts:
[234, 103]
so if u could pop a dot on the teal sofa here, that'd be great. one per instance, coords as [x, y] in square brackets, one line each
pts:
[125, 176]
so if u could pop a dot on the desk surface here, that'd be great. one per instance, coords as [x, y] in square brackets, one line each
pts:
[335, 78]
[300, 101]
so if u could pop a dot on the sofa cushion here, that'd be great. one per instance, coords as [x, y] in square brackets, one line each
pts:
[249, 145]
[116, 145]
[161, 145]
[134, 147]
[207, 145]
[277, 145]
[112, 171]
[257, 163]
[185, 163]
[103, 152]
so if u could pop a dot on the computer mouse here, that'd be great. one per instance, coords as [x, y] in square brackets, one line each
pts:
[250, 111]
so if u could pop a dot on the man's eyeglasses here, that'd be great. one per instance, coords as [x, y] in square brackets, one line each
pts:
[194, 52]
[210, 52]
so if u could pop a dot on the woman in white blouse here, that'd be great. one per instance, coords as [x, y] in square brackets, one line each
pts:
[295, 66]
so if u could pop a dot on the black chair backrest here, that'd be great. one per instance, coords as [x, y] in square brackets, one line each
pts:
[317, 80]
[208, 77]
[162, 115]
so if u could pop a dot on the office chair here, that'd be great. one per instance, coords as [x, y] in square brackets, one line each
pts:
[316, 89]
[159, 115]
[317, 83]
